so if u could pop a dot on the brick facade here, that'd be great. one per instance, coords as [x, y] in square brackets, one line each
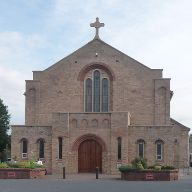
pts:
[161, 175]
[139, 109]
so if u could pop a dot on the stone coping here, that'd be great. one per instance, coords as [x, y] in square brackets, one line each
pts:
[22, 169]
[154, 171]
[150, 125]
[91, 112]
[31, 125]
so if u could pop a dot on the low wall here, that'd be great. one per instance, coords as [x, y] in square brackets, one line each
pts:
[21, 173]
[151, 175]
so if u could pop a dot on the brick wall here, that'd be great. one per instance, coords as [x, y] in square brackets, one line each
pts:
[58, 89]
[161, 175]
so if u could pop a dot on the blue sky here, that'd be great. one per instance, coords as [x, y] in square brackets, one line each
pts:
[36, 34]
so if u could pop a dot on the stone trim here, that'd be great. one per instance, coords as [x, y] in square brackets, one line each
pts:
[96, 65]
[150, 126]
[183, 128]
[85, 137]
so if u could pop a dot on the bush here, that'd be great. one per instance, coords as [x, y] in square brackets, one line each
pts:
[40, 166]
[150, 166]
[167, 167]
[23, 165]
[139, 160]
[13, 165]
[140, 165]
[129, 169]
[3, 165]
[157, 167]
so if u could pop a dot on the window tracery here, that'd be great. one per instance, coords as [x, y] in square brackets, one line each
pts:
[97, 93]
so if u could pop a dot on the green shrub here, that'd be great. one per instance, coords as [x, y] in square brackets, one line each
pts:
[140, 165]
[3, 165]
[139, 160]
[157, 167]
[150, 166]
[23, 165]
[129, 169]
[40, 166]
[167, 167]
[13, 165]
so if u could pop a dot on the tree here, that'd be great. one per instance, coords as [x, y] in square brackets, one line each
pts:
[190, 137]
[4, 126]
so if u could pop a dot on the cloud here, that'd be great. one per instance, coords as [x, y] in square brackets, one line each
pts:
[12, 87]
[17, 49]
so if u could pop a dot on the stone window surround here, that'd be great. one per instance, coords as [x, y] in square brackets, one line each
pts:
[101, 78]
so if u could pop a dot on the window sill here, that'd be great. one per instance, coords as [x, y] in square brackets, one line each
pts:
[59, 159]
[119, 161]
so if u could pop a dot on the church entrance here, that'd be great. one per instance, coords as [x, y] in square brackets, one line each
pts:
[89, 157]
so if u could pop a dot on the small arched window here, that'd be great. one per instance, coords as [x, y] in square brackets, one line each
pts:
[119, 146]
[24, 148]
[96, 91]
[41, 149]
[105, 94]
[60, 147]
[141, 149]
[88, 95]
[159, 146]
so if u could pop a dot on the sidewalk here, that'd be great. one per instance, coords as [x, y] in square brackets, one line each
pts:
[92, 176]
[185, 172]
[83, 176]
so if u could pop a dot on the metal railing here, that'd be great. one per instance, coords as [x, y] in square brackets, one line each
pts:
[186, 168]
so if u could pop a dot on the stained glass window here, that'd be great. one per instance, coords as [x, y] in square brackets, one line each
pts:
[41, 149]
[88, 96]
[24, 146]
[119, 148]
[141, 149]
[159, 150]
[96, 91]
[60, 147]
[104, 94]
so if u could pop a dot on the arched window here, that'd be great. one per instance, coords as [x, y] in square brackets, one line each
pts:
[105, 94]
[141, 149]
[119, 146]
[24, 148]
[88, 95]
[60, 147]
[41, 149]
[96, 91]
[159, 146]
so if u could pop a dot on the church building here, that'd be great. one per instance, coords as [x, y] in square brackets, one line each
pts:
[98, 107]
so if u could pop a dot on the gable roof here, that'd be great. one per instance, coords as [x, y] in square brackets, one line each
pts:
[98, 39]
[183, 128]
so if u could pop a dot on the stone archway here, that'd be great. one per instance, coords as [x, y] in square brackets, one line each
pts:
[89, 156]
[84, 144]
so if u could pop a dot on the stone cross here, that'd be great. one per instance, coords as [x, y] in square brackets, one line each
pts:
[97, 25]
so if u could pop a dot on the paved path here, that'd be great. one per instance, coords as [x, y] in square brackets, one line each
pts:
[83, 176]
[90, 176]
[184, 184]
[88, 183]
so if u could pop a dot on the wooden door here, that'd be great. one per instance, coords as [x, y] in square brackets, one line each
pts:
[89, 157]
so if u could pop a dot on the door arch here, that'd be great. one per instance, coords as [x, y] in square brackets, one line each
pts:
[89, 156]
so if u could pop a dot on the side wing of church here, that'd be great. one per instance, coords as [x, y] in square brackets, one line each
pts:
[99, 108]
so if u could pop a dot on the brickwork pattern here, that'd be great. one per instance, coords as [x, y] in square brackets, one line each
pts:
[161, 175]
[22, 173]
[55, 108]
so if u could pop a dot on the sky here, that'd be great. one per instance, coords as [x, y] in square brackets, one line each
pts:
[36, 34]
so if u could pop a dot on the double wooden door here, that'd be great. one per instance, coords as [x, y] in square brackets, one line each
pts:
[89, 157]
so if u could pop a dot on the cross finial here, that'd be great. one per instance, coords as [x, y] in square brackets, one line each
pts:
[97, 25]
